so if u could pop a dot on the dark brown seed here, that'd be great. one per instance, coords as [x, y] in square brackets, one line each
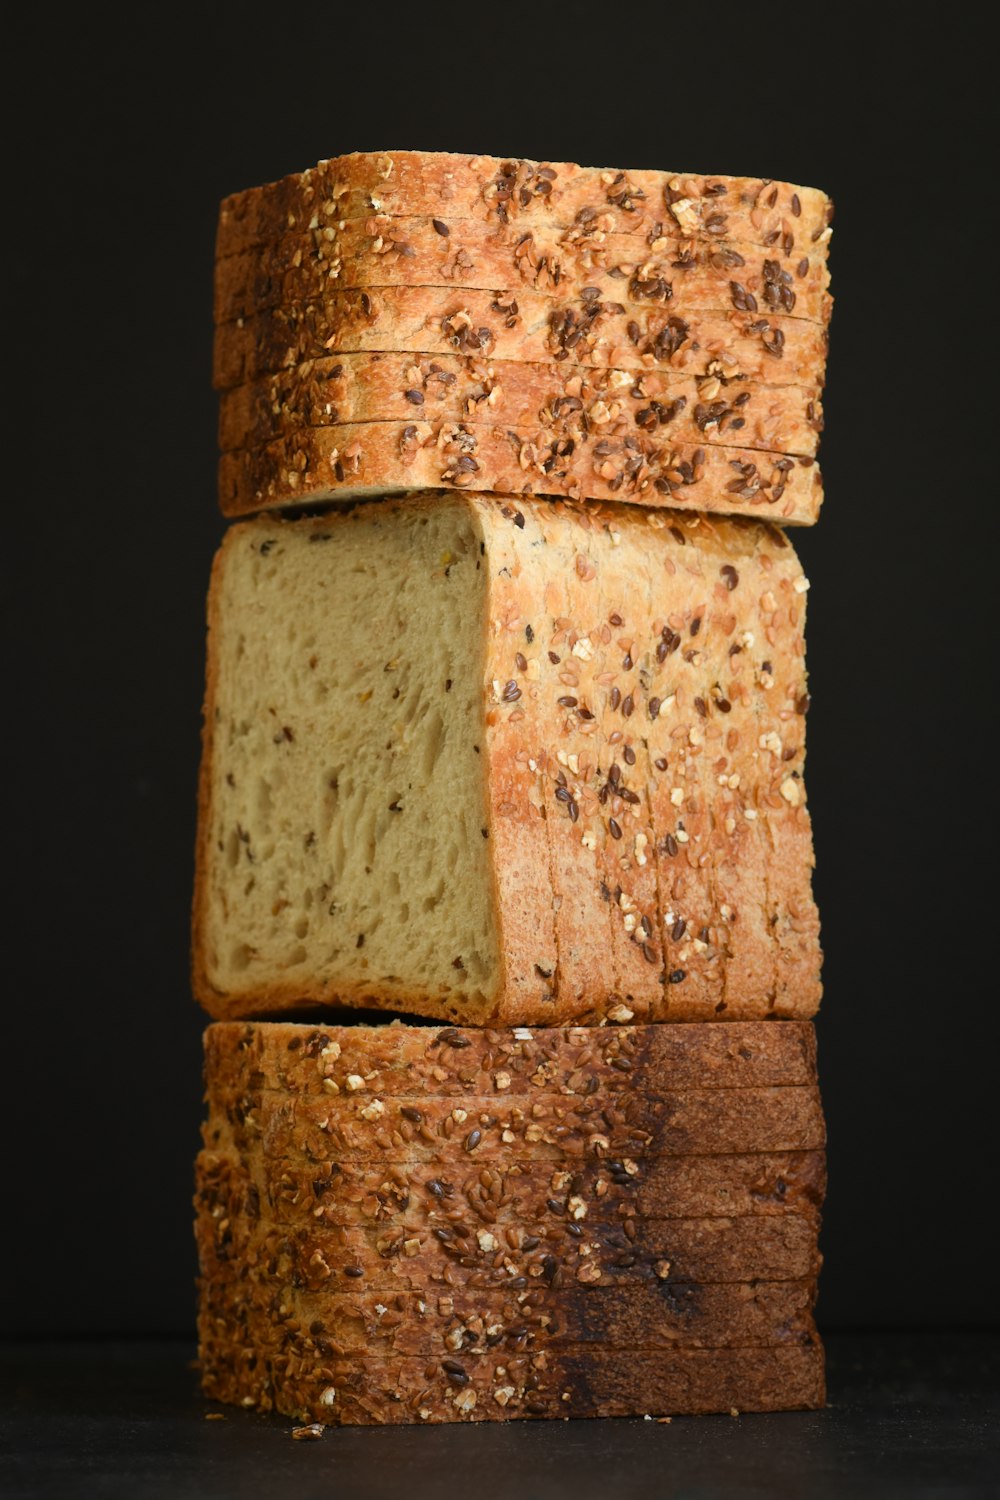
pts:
[522, 664]
[677, 976]
[614, 829]
[472, 1140]
[729, 576]
[415, 397]
[628, 755]
[670, 845]
[567, 701]
[409, 1113]
[649, 953]
[441, 227]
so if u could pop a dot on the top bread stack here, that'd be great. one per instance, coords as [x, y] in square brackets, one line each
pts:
[404, 321]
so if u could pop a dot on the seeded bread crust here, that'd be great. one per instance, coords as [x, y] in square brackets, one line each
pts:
[341, 1192]
[707, 696]
[648, 1120]
[458, 388]
[689, 1315]
[308, 1194]
[530, 327]
[348, 1290]
[779, 216]
[360, 459]
[389, 1060]
[626, 268]
[411, 1258]
[587, 1383]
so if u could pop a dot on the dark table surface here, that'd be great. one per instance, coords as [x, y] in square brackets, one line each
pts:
[908, 1415]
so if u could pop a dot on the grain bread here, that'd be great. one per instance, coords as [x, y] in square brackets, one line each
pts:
[458, 388]
[599, 809]
[365, 459]
[782, 217]
[411, 1258]
[688, 1315]
[588, 1384]
[311, 1062]
[546, 1127]
[345, 1288]
[420, 251]
[300, 1191]
[529, 326]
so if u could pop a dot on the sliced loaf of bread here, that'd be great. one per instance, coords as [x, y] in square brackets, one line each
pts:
[486, 760]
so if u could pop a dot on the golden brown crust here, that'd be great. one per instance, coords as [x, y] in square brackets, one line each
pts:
[377, 1290]
[340, 1192]
[317, 464]
[530, 326]
[573, 1384]
[785, 218]
[457, 388]
[404, 1257]
[681, 1315]
[443, 1061]
[419, 251]
[647, 1120]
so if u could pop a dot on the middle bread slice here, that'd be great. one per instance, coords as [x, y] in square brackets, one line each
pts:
[490, 760]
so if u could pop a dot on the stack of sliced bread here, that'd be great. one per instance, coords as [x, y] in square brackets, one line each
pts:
[396, 322]
[504, 729]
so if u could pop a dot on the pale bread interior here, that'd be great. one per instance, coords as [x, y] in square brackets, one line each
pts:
[347, 827]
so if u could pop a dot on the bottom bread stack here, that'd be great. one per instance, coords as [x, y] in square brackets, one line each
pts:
[412, 1223]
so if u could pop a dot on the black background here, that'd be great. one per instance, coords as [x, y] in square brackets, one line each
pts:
[124, 134]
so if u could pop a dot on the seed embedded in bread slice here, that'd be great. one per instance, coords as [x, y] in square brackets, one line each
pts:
[408, 798]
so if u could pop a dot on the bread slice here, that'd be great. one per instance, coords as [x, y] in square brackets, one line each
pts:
[459, 388]
[299, 1191]
[363, 459]
[578, 1382]
[529, 326]
[644, 1122]
[460, 735]
[450, 1322]
[413, 1257]
[780, 216]
[442, 1062]
[420, 251]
